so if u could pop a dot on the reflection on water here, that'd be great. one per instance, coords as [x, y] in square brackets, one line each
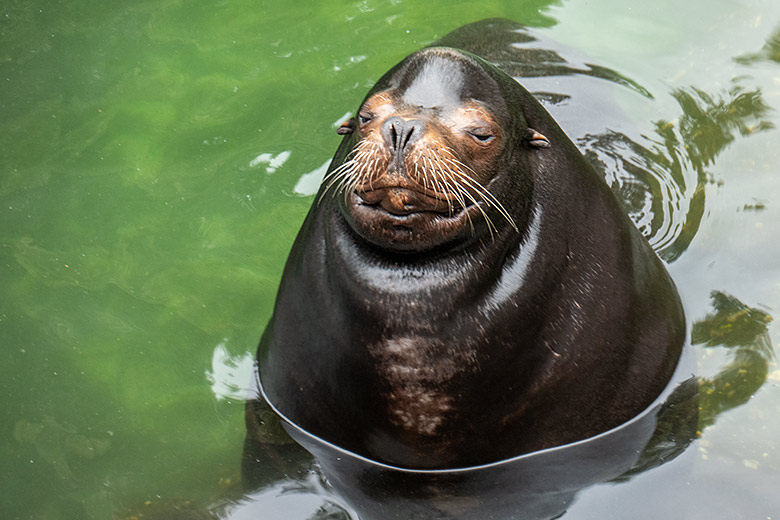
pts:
[522, 54]
[229, 375]
[536, 486]
[658, 168]
[742, 330]
[771, 51]
[306, 499]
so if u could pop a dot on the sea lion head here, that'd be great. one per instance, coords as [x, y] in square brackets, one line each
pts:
[432, 158]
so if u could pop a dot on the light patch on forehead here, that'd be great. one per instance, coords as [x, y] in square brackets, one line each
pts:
[439, 83]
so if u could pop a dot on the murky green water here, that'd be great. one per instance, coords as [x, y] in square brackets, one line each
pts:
[157, 158]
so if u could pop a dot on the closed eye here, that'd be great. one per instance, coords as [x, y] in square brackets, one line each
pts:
[364, 118]
[482, 137]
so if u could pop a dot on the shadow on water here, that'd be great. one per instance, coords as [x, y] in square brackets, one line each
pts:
[742, 331]
[661, 181]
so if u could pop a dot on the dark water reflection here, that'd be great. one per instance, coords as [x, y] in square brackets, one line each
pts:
[770, 51]
[659, 166]
[742, 330]
[537, 486]
[522, 54]
[660, 178]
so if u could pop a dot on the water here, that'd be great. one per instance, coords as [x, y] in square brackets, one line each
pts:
[157, 159]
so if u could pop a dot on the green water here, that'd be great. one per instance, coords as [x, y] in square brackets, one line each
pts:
[151, 165]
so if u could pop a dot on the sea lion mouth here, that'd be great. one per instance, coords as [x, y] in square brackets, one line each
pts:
[395, 212]
[402, 201]
[404, 219]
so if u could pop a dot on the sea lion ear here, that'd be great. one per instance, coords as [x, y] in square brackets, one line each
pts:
[347, 127]
[536, 139]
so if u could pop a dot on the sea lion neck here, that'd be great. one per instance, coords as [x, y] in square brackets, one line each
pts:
[460, 275]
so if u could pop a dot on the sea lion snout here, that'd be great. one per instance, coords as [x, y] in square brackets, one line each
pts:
[400, 135]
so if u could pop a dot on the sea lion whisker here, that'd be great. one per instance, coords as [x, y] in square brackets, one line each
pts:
[353, 157]
[428, 179]
[429, 171]
[337, 177]
[454, 188]
[437, 174]
[473, 198]
[457, 192]
[436, 179]
[486, 195]
[415, 160]
[358, 177]
[460, 179]
[340, 187]
[338, 170]
[490, 224]
[366, 167]
[372, 173]
[433, 159]
[350, 186]
[447, 187]
[352, 176]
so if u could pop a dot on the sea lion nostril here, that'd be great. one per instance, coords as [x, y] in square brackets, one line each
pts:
[401, 133]
[413, 130]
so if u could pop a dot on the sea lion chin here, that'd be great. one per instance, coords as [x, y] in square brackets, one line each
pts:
[465, 287]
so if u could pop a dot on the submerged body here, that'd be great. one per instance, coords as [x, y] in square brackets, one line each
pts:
[465, 288]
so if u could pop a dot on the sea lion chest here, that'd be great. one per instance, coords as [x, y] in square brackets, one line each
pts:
[417, 374]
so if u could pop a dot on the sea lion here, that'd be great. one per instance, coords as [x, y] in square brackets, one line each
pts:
[465, 287]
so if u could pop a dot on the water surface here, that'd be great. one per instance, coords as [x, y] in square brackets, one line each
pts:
[157, 159]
